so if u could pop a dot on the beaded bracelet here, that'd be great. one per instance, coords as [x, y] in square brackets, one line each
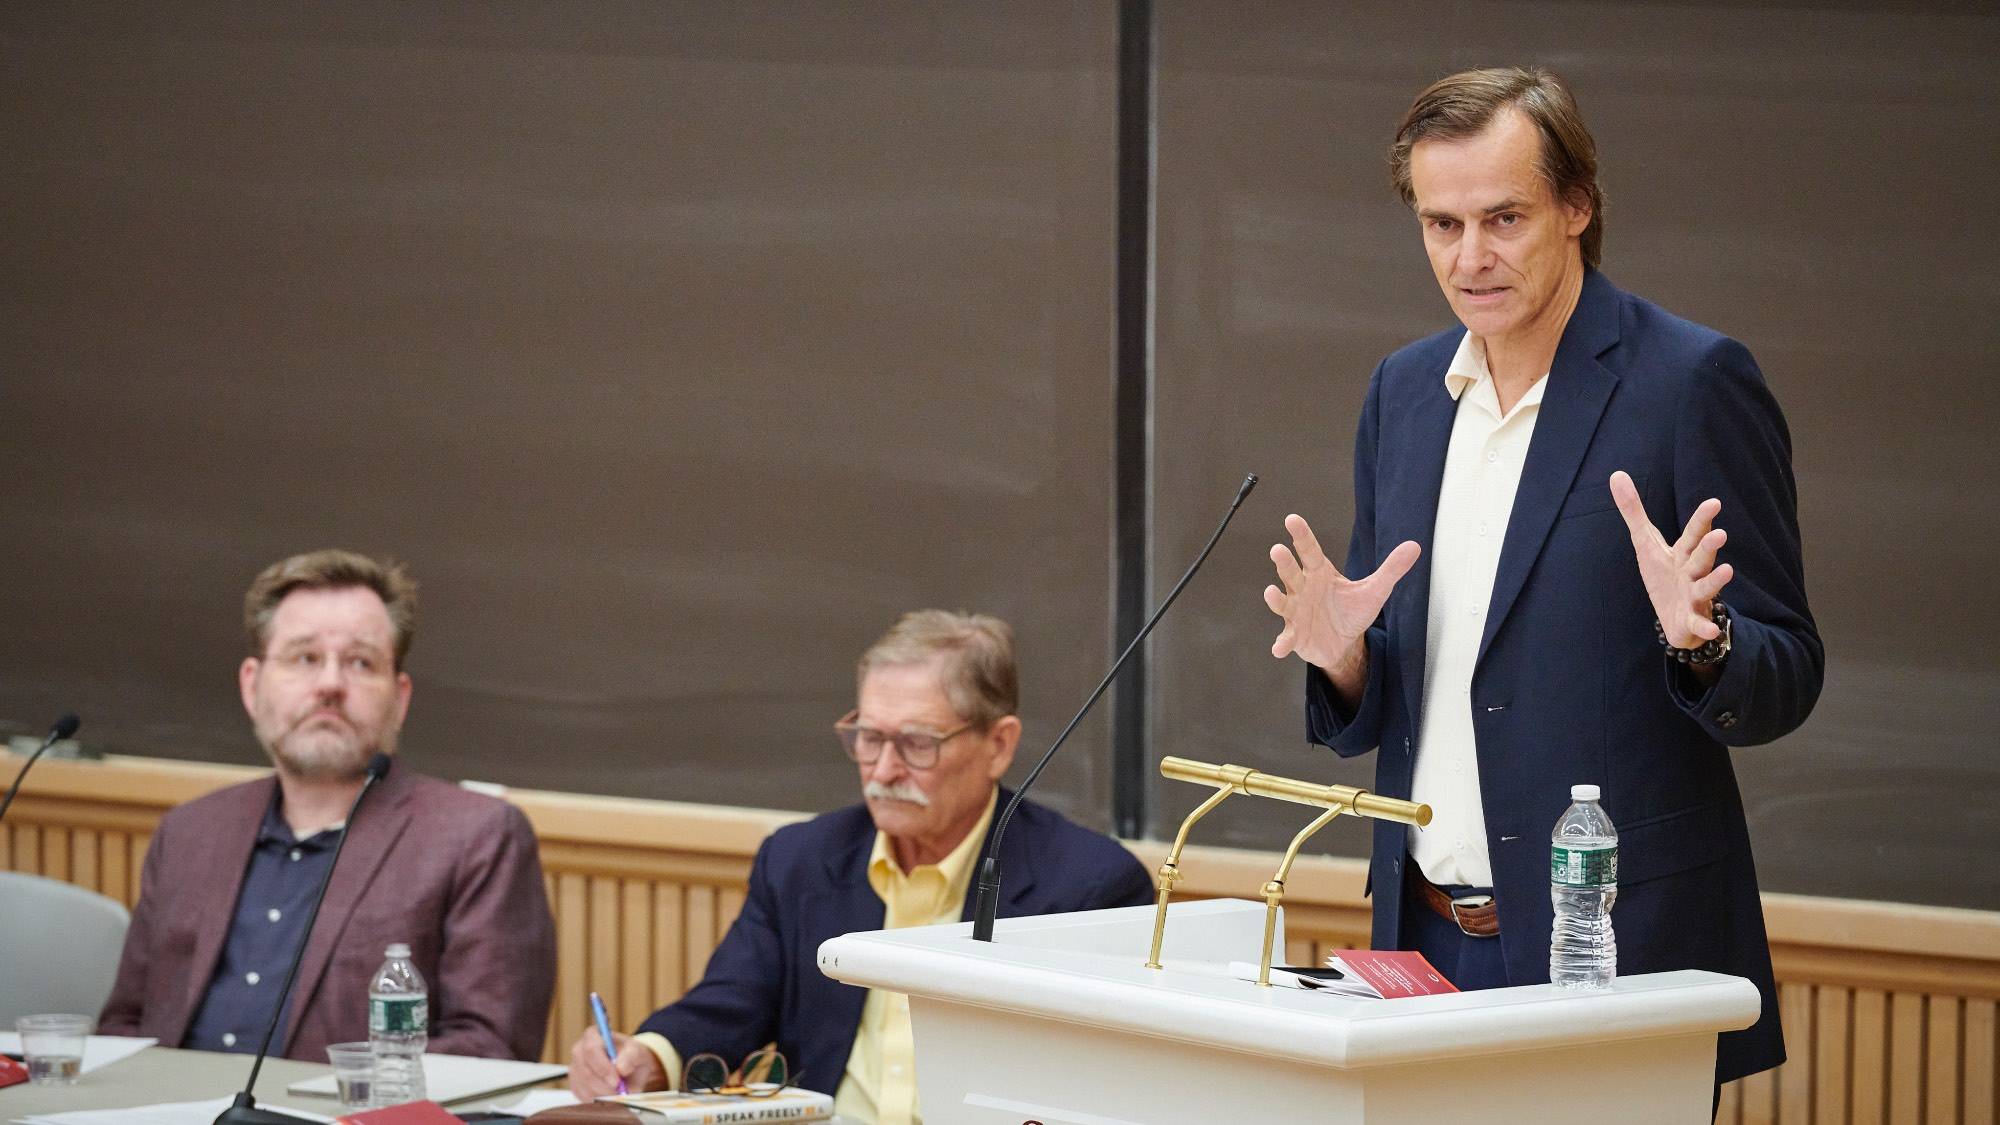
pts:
[1707, 653]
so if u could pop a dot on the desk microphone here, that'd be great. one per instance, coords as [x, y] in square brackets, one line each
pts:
[988, 905]
[244, 1110]
[65, 728]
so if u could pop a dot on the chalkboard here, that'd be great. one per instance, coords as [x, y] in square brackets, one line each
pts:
[677, 349]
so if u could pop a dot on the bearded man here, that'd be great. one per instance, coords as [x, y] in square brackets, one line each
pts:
[230, 878]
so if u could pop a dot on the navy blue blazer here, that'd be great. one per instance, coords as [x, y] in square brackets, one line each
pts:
[810, 883]
[1571, 684]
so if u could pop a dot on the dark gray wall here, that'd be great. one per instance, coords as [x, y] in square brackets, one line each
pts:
[680, 346]
[1808, 178]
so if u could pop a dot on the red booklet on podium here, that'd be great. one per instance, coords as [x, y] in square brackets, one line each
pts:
[1390, 973]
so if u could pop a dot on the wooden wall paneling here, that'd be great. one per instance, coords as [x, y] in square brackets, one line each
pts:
[605, 963]
[1982, 1058]
[1889, 1010]
[634, 998]
[572, 907]
[700, 926]
[1729, 1106]
[1906, 1056]
[1760, 1098]
[670, 977]
[1298, 950]
[551, 1040]
[28, 848]
[730, 904]
[1868, 1063]
[135, 871]
[114, 867]
[1795, 1078]
[55, 852]
[1833, 1037]
[84, 869]
[1941, 1047]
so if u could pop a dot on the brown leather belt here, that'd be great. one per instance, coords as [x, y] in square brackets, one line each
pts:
[1475, 915]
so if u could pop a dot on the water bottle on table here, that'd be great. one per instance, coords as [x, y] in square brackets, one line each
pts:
[399, 1020]
[1583, 881]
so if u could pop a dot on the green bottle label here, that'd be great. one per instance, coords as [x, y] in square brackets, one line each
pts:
[1583, 867]
[398, 1015]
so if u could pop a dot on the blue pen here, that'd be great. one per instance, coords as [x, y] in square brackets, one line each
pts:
[604, 1033]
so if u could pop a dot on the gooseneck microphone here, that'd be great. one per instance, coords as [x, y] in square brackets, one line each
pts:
[988, 904]
[244, 1110]
[64, 727]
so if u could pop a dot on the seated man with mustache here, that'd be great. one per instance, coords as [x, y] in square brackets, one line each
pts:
[230, 877]
[933, 733]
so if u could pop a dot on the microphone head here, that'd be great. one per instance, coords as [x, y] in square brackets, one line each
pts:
[378, 766]
[65, 727]
[1249, 482]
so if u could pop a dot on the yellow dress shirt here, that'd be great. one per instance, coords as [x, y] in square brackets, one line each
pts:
[880, 1084]
[881, 1080]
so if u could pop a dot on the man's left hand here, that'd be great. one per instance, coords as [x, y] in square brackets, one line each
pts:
[1681, 577]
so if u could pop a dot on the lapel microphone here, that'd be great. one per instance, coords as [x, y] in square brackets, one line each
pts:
[988, 905]
[64, 727]
[244, 1110]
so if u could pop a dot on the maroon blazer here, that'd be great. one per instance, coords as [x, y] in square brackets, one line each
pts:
[453, 873]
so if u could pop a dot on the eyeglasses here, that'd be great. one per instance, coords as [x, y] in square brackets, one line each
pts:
[918, 749]
[762, 1075]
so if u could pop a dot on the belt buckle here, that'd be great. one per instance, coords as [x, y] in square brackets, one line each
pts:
[1470, 902]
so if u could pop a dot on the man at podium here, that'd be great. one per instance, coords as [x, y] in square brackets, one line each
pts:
[932, 733]
[1515, 623]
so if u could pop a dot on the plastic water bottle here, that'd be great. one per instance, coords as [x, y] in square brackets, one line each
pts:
[399, 1020]
[1583, 881]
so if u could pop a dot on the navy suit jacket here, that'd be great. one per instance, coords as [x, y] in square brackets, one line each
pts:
[810, 883]
[1571, 684]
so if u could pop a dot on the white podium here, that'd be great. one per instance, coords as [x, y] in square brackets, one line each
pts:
[1058, 1021]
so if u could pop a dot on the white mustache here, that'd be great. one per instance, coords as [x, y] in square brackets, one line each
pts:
[901, 791]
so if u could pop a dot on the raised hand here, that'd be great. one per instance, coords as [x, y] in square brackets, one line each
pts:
[1681, 577]
[1326, 614]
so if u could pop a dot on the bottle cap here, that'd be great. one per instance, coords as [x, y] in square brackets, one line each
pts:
[398, 950]
[1583, 793]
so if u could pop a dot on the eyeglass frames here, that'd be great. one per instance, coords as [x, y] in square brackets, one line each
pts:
[763, 1074]
[917, 749]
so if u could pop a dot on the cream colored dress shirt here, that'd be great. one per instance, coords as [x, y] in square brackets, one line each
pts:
[1482, 469]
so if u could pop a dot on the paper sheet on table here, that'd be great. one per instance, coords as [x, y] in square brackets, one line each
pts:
[98, 1050]
[535, 1101]
[171, 1113]
[454, 1078]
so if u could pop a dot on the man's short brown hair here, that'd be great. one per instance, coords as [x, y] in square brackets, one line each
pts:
[331, 569]
[977, 650]
[1464, 104]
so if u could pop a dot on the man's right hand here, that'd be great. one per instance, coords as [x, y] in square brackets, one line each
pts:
[591, 1075]
[1326, 615]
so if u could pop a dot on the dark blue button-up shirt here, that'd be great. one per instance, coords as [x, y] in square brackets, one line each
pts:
[270, 922]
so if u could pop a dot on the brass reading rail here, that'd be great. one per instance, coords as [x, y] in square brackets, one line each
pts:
[1231, 780]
